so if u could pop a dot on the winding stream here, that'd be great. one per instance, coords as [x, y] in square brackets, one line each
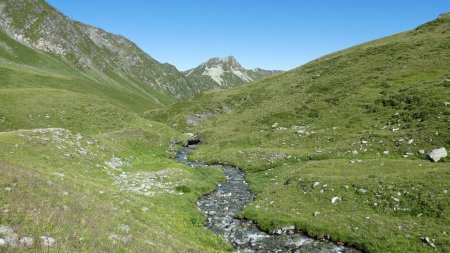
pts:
[222, 205]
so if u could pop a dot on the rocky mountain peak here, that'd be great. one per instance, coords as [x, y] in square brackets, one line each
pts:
[229, 61]
[225, 72]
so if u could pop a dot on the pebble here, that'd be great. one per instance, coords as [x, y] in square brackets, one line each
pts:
[26, 241]
[47, 241]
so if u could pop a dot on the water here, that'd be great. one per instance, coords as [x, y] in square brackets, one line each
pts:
[222, 205]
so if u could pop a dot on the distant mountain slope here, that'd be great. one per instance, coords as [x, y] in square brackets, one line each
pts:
[338, 147]
[219, 73]
[101, 55]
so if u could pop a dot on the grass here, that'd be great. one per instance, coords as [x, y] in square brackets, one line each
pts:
[24, 67]
[57, 183]
[73, 200]
[350, 125]
[358, 118]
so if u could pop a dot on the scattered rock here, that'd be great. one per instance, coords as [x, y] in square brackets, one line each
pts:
[26, 241]
[354, 152]
[386, 152]
[410, 141]
[196, 119]
[47, 241]
[124, 228]
[316, 213]
[421, 152]
[426, 240]
[2, 242]
[316, 184]
[334, 200]
[194, 140]
[288, 228]
[437, 154]
[362, 190]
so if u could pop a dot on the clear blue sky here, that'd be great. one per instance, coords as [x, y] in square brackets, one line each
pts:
[276, 34]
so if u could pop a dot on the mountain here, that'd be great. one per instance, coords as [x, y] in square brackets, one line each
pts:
[338, 147]
[73, 144]
[102, 56]
[220, 73]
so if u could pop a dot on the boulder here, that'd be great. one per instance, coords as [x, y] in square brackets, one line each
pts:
[194, 140]
[334, 200]
[437, 154]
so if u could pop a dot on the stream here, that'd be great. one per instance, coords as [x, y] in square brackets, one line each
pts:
[222, 205]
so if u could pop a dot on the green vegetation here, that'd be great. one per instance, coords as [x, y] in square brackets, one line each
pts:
[80, 166]
[355, 121]
[336, 147]
[60, 187]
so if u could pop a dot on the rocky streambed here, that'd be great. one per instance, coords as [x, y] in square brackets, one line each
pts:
[222, 205]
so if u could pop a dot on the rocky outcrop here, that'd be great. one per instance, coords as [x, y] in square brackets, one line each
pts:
[90, 49]
[437, 154]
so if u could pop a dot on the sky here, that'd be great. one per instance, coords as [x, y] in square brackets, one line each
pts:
[270, 34]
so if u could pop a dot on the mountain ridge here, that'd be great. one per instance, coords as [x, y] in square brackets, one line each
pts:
[226, 72]
[101, 55]
[90, 49]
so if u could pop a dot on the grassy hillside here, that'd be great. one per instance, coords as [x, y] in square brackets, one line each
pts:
[104, 56]
[24, 67]
[89, 174]
[80, 170]
[356, 125]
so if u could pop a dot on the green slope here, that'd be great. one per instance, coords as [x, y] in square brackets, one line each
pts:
[63, 130]
[355, 121]
[24, 67]
[104, 56]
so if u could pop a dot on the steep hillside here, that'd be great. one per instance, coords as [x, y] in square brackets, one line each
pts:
[80, 169]
[101, 55]
[220, 73]
[338, 147]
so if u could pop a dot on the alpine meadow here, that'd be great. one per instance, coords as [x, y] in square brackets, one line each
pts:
[105, 149]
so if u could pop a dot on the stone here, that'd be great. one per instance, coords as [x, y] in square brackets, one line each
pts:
[410, 141]
[194, 140]
[334, 200]
[386, 152]
[47, 241]
[316, 213]
[2, 242]
[362, 190]
[316, 184]
[287, 228]
[437, 154]
[354, 152]
[421, 152]
[428, 241]
[26, 241]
